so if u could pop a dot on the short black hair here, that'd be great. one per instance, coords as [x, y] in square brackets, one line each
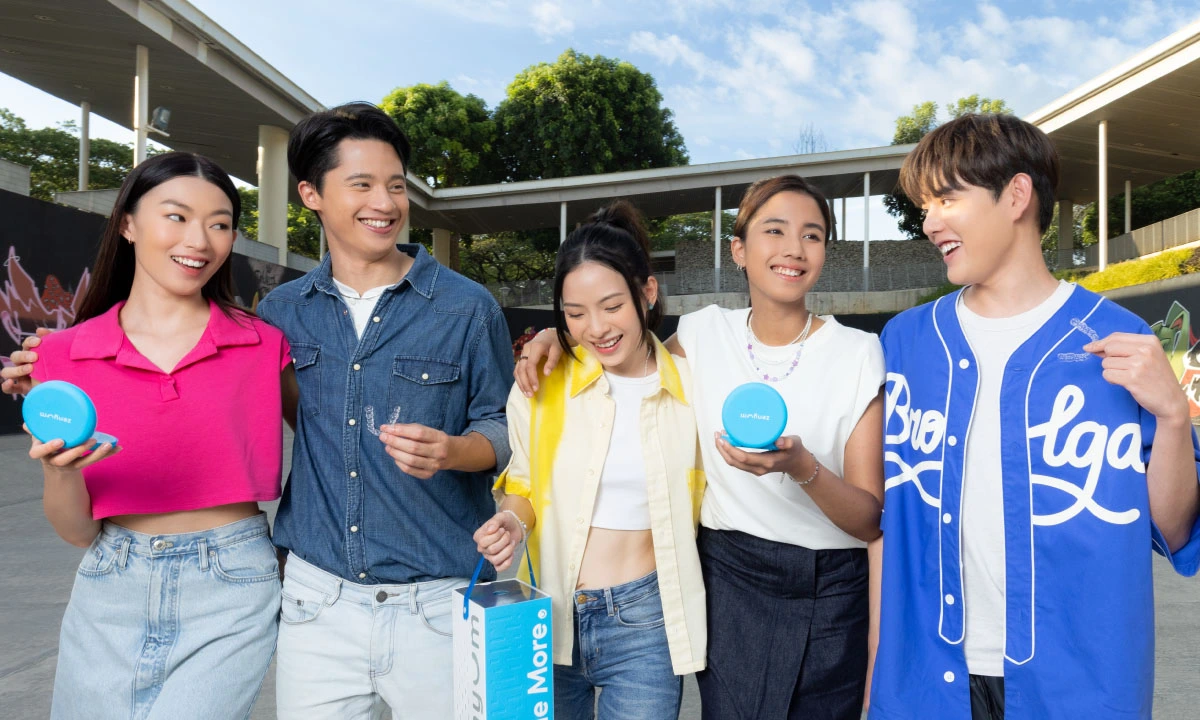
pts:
[987, 151]
[312, 144]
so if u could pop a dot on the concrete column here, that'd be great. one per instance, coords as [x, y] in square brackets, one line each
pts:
[272, 188]
[403, 238]
[716, 233]
[85, 144]
[866, 231]
[842, 234]
[141, 104]
[1128, 207]
[441, 246]
[321, 245]
[562, 222]
[1102, 193]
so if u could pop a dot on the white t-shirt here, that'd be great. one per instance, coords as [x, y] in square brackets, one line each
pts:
[839, 372]
[621, 499]
[993, 341]
[362, 307]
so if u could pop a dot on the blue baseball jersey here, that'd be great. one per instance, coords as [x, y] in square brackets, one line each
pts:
[1080, 598]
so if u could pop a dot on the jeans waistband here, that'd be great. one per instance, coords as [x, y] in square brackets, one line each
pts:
[605, 598]
[334, 587]
[185, 543]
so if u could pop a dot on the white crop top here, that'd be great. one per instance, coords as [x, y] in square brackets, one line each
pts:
[621, 500]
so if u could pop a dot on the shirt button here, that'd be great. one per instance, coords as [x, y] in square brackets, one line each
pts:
[353, 528]
[380, 596]
[357, 366]
[591, 473]
[361, 576]
[949, 599]
[946, 518]
[948, 677]
[353, 474]
[424, 376]
[952, 441]
[579, 520]
[375, 319]
[572, 568]
[964, 364]
[351, 421]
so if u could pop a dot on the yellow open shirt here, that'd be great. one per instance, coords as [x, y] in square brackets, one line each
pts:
[559, 441]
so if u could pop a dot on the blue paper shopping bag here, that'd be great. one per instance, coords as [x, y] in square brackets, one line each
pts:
[503, 644]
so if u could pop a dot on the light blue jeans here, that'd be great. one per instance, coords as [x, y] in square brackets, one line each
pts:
[169, 626]
[620, 650]
[349, 651]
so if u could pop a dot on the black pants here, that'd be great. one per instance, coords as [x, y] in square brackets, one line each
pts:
[987, 697]
[787, 629]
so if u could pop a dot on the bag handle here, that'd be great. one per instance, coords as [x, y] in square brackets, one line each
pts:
[479, 569]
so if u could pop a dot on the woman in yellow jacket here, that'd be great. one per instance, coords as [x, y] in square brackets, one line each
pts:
[604, 480]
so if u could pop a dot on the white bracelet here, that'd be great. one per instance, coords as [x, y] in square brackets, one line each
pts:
[524, 530]
[816, 470]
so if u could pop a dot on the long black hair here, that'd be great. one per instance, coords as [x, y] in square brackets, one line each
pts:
[112, 275]
[614, 237]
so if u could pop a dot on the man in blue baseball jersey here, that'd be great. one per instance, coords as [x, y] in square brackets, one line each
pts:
[1037, 445]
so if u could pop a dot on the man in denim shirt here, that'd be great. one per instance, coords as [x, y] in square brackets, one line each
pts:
[403, 369]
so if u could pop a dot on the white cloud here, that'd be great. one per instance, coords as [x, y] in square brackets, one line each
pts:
[549, 20]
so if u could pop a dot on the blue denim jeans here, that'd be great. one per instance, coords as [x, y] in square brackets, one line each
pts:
[620, 649]
[169, 626]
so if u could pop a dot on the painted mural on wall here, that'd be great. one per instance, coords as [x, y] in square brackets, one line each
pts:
[1183, 349]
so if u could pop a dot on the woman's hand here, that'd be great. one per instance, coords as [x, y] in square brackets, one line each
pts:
[55, 460]
[498, 538]
[18, 379]
[789, 456]
[543, 345]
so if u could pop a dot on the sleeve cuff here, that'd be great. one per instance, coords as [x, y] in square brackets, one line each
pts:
[496, 433]
[1185, 560]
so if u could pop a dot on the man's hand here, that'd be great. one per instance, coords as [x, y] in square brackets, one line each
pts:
[18, 379]
[418, 450]
[1137, 363]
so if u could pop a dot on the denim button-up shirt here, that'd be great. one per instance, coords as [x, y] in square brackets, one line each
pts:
[436, 352]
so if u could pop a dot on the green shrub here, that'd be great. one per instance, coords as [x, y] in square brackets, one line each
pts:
[1135, 272]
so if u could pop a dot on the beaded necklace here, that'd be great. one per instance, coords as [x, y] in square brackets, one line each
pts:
[752, 338]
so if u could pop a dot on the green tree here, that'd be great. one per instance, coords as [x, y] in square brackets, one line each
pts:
[303, 226]
[504, 257]
[52, 156]
[453, 135]
[910, 129]
[584, 115]
[1151, 203]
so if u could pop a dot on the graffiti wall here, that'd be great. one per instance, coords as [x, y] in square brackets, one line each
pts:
[47, 251]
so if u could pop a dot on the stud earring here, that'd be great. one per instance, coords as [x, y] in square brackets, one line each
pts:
[651, 306]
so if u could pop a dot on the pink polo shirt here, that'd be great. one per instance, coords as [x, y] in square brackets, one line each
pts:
[207, 433]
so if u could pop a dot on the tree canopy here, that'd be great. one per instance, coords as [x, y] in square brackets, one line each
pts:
[453, 136]
[916, 125]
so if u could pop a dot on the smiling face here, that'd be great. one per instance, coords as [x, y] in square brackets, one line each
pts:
[603, 319]
[363, 200]
[182, 232]
[783, 249]
[973, 230]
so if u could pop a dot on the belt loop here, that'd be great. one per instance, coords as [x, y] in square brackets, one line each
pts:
[203, 554]
[608, 601]
[123, 553]
[413, 606]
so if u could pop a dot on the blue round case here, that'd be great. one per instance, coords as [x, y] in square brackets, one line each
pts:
[754, 415]
[59, 410]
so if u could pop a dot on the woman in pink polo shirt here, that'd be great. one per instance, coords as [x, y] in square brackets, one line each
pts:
[174, 608]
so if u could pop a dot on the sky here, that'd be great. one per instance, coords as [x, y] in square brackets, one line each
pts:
[744, 78]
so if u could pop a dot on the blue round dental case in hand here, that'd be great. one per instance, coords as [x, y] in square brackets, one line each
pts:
[59, 410]
[754, 416]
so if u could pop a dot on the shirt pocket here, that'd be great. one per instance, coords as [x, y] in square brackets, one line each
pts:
[308, 377]
[420, 390]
